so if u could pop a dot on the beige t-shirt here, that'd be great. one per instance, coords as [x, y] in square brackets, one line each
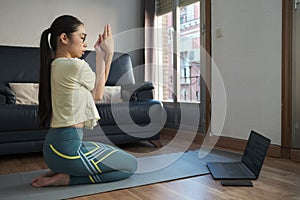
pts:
[72, 80]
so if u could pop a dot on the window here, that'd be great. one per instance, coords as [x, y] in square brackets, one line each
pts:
[180, 39]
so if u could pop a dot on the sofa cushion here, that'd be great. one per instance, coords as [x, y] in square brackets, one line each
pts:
[138, 112]
[112, 94]
[26, 93]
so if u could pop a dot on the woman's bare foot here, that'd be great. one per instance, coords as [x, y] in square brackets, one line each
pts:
[51, 180]
[48, 174]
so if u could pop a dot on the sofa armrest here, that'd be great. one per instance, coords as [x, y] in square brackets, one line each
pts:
[137, 92]
[8, 93]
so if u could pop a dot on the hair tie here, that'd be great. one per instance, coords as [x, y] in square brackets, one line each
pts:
[49, 31]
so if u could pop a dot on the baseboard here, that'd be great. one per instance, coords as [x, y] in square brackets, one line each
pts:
[229, 143]
[239, 144]
[295, 155]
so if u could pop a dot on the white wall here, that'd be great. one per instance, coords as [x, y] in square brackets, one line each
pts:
[22, 22]
[249, 59]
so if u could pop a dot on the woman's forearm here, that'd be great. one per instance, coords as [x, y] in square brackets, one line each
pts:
[108, 61]
[100, 78]
[102, 72]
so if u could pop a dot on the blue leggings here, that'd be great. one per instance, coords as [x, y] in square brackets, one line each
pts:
[85, 162]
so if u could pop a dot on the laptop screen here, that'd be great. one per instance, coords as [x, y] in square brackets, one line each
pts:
[255, 152]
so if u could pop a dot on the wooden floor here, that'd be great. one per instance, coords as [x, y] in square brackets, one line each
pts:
[279, 179]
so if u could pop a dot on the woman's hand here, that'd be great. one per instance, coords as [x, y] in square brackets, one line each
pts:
[105, 44]
[104, 48]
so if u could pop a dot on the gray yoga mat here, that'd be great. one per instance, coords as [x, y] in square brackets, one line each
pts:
[17, 186]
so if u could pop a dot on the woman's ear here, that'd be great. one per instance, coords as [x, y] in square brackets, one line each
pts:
[64, 38]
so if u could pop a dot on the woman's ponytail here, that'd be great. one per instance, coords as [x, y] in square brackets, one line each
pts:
[46, 57]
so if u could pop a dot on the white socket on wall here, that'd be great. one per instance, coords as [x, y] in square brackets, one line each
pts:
[219, 31]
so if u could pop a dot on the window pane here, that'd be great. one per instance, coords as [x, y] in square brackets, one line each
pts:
[165, 56]
[188, 73]
[189, 48]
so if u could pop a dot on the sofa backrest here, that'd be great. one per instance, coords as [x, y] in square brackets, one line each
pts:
[121, 70]
[21, 64]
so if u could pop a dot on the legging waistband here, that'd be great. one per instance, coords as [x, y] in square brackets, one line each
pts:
[67, 138]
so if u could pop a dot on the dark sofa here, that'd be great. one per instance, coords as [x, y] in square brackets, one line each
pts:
[138, 118]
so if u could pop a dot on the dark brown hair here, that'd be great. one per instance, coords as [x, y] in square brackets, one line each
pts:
[64, 24]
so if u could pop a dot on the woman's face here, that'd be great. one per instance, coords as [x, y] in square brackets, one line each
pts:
[77, 44]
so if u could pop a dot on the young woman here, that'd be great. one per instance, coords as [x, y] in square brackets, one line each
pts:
[68, 88]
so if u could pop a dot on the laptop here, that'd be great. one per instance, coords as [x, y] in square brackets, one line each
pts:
[250, 165]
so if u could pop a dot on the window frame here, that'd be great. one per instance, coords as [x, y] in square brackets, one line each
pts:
[205, 39]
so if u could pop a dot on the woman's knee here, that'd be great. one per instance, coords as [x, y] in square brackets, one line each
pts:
[129, 163]
[133, 164]
[122, 161]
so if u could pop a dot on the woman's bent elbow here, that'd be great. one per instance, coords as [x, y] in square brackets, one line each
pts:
[97, 97]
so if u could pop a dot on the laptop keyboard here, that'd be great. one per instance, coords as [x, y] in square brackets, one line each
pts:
[235, 169]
